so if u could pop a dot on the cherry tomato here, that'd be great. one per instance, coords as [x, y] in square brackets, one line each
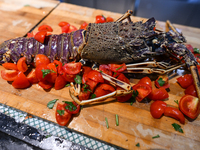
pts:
[72, 28]
[60, 82]
[103, 89]
[84, 95]
[72, 107]
[92, 84]
[41, 59]
[185, 80]
[10, 66]
[40, 36]
[29, 35]
[45, 28]
[84, 26]
[191, 90]
[72, 67]
[63, 23]
[95, 76]
[64, 117]
[189, 105]
[109, 19]
[117, 67]
[21, 81]
[9, 75]
[45, 84]
[143, 91]
[51, 77]
[162, 81]
[189, 47]
[105, 69]
[21, 64]
[69, 77]
[100, 19]
[58, 66]
[32, 77]
[174, 113]
[146, 80]
[157, 109]
[158, 94]
[65, 29]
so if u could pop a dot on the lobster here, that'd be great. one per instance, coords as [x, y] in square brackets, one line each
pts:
[113, 42]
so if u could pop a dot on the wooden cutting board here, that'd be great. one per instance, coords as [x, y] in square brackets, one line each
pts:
[136, 124]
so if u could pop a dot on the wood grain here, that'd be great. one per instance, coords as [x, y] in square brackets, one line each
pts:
[136, 124]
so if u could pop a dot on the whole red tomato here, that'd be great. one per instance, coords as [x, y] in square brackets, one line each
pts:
[100, 19]
[185, 80]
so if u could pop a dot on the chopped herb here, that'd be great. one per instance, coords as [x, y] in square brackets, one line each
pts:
[101, 71]
[78, 79]
[196, 50]
[56, 65]
[138, 145]
[119, 68]
[67, 85]
[70, 106]
[115, 73]
[176, 101]
[48, 136]
[177, 127]
[26, 5]
[46, 72]
[157, 136]
[161, 82]
[61, 112]
[135, 94]
[85, 88]
[117, 119]
[107, 126]
[51, 103]
[93, 96]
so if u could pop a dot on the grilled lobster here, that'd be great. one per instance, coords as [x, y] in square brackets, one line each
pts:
[114, 42]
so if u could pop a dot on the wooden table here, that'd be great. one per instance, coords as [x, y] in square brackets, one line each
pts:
[136, 124]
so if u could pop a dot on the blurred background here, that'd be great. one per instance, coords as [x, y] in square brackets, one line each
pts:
[185, 12]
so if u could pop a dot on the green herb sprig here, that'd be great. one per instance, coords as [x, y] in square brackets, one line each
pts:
[177, 127]
[51, 103]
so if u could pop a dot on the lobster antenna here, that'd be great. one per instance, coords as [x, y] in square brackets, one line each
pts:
[125, 16]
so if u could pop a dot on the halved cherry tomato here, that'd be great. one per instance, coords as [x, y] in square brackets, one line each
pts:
[86, 69]
[100, 19]
[72, 28]
[9, 75]
[143, 91]
[30, 34]
[84, 95]
[21, 81]
[21, 64]
[65, 29]
[190, 106]
[58, 66]
[174, 113]
[72, 107]
[51, 77]
[191, 90]
[189, 47]
[105, 69]
[158, 94]
[45, 84]
[39, 73]
[32, 77]
[64, 118]
[157, 109]
[103, 89]
[41, 59]
[123, 78]
[40, 36]
[72, 67]
[162, 81]
[69, 77]
[117, 67]
[84, 26]
[109, 19]
[60, 82]
[95, 76]
[45, 28]
[10, 66]
[92, 84]
[63, 23]
[146, 80]
[185, 80]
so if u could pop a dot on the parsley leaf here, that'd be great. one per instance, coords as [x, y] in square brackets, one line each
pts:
[61, 112]
[78, 79]
[196, 50]
[67, 85]
[70, 106]
[51, 103]
[176, 101]
[135, 94]
[119, 68]
[177, 127]
[93, 96]
[157, 136]
[161, 82]
[46, 72]
[138, 145]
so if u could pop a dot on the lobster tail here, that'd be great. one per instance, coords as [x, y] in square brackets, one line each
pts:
[63, 47]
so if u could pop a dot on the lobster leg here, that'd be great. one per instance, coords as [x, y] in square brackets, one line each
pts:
[196, 77]
[125, 16]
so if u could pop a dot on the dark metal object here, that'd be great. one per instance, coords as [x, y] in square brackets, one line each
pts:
[33, 138]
